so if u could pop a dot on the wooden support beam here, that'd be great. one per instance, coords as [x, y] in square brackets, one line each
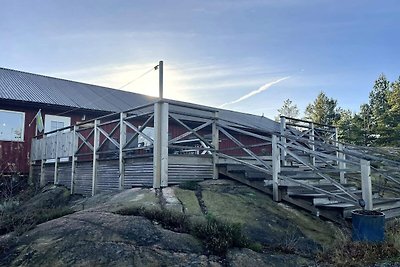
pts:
[30, 177]
[366, 185]
[42, 178]
[312, 136]
[122, 141]
[160, 152]
[56, 152]
[215, 143]
[96, 142]
[342, 164]
[283, 141]
[275, 168]
[248, 151]
[73, 159]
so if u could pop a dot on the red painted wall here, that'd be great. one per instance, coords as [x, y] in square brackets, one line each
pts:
[14, 156]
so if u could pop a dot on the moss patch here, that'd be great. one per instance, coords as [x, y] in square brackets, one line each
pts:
[244, 205]
[189, 201]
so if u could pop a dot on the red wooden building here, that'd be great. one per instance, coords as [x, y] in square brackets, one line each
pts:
[63, 103]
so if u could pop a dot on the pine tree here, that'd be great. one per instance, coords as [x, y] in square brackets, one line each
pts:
[379, 106]
[288, 110]
[323, 110]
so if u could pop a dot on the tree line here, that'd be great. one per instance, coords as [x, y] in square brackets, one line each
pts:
[377, 123]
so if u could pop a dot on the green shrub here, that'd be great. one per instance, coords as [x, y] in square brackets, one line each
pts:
[216, 235]
[170, 220]
[21, 221]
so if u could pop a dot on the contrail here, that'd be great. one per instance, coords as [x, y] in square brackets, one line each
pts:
[259, 90]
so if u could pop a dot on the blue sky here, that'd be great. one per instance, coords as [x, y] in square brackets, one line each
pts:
[215, 52]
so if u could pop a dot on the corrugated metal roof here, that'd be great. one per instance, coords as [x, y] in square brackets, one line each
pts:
[29, 87]
[23, 86]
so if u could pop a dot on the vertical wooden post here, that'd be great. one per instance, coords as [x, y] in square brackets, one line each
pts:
[43, 160]
[73, 158]
[312, 139]
[366, 185]
[164, 143]
[275, 168]
[283, 141]
[30, 177]
[215, 143]
[96, 142]
[160, 152]
[336, 141]
[342, 165]
[161, 79]
[56, 158]
[42, 177]
[122, 141]
[32, 158]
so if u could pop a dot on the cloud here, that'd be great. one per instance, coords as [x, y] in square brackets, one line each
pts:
[252, 93]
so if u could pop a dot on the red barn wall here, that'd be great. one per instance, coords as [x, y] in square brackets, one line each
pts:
[14, 156]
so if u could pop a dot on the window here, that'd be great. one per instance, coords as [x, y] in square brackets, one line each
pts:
[149, 131]
[53, 122]
[12, 125]
[54, 125]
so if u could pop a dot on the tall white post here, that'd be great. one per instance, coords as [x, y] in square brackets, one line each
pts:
[160, 154]
[56, 157]
[73, 158]
[215, 143]
[43, 159]
[283, 141]
[275, 168]
[366, 185]
[122, 141]
[161, 79]
[96, 143]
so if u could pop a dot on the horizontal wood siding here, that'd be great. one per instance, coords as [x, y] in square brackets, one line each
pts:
[83, 178]
[138, 172]
[49, 173]
[64, 174]
[108, 176]
[189, 168]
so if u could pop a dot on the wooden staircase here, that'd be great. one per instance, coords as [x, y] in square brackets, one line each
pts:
[309, 168]
[318, 203]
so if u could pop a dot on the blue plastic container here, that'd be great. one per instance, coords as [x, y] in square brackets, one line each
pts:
[368, 226]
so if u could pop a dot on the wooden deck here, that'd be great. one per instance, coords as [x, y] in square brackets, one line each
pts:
[164, 144]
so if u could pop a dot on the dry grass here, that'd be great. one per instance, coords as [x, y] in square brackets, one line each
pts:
[348, 253]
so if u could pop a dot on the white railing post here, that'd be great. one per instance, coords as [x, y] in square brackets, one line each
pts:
[96, 142]
[215, 143]
[366, 185]
[275, 168]
[312, 139]
[56, 157]
[73, 158]
[160, 152]
[43, 160]
[342, 165]
[122, 141]
[336, 140]
[283, 141]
